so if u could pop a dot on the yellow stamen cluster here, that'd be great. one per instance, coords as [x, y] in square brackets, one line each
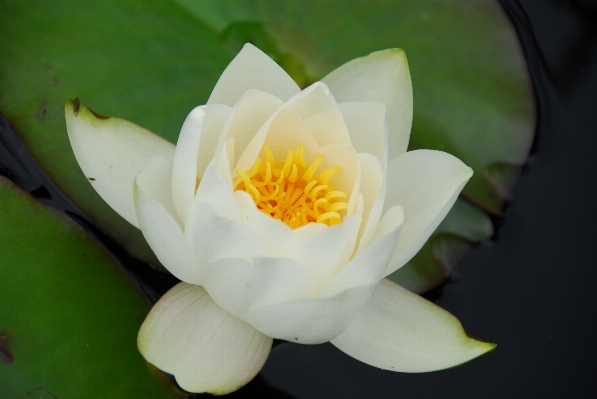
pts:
[288, 191]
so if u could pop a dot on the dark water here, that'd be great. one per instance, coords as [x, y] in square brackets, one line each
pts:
[532, 291]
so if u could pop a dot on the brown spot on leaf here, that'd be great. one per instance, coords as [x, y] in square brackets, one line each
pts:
[42, 110]
[76, 106]
[6, 355]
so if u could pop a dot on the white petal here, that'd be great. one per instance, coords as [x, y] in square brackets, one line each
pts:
[368, 267]
[367, 126]
[215, 119]
[111, 151]
[328, 128]
[154, 180]
[425, 184]
[317, 320]
[286, 131]
[381, 77]
[252, 69]
[286, 128]
[308, 230]
[326, 252]
[195, 148]
[238, 285]
[373, 188]
[204, 347]
[244, 201]
[275, 234]
[349, 179]
[216, 191]
[315, 99]
[251, 111]
[223, 161]
[213, 237]
[309, 320]
[213, 227]
[400, 331]
[282, 132]
[159, 222]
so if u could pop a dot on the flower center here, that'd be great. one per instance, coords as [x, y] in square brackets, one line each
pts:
[287, 190]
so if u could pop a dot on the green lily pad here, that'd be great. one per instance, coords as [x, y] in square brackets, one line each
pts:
[151, 63]
[68, 315]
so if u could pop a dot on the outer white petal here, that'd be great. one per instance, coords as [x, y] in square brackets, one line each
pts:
[309, 320]
[154, 181]
[373, 188]
[315, 99]
[194, 150]
[215, 120]
[275, 234]
[381, 77]
[213, 237]
[204, 347]
[425, 184]
[252, 69]
[213, 227]
[317, 320]
[159, 222]
[277, 237]
[326, 252]
[215, 189]
[367, 126]
[238, 285]
[400, 331]
[368, 267]
[111, 151]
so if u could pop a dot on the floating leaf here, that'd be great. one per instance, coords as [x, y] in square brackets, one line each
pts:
[466, 221]
[502, 177]
[150, 63]
[68, 315]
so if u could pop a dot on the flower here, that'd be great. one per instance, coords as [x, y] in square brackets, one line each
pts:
[282, 211]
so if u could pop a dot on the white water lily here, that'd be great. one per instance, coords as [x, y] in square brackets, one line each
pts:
[282, 211]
